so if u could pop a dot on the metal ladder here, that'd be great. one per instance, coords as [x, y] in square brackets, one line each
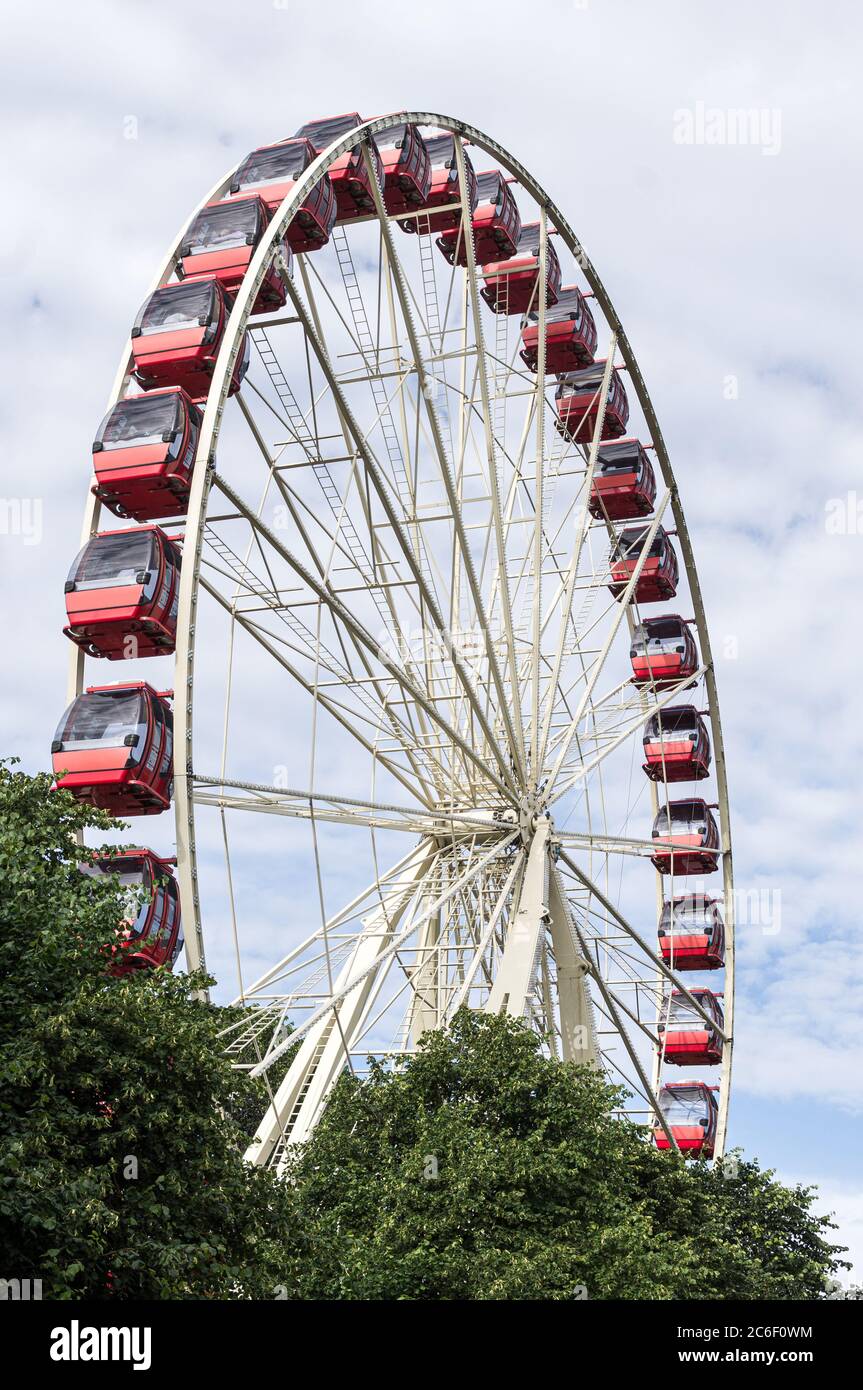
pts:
[283, 1144]
[371, 361]
[555, 460]
[399, 480]
[332, 663]
[501, 342]
[364, 563]
[434, 329]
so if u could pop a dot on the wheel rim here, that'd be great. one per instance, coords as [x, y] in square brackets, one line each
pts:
[413, 621]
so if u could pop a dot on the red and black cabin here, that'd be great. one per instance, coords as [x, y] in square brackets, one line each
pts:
[570, 334]
[144, 452]
[114, 749]
[407, 170]
[221, 241]
[271, 172]
[676, 745]
[577, 400]
[659, 573]
[151, 934]
[689, 1040]
[687, 838]
[690, 1110]
[496, 224]
[122, 594]
[442, 211]
[512, 286]
[624, 483]
[692, 933]
[663, 651]
[177, 335]
[349, 175]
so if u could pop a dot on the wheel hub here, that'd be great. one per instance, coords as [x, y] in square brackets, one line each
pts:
[531, 810]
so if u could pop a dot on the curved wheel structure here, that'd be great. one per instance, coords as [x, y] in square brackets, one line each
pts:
[407, 740]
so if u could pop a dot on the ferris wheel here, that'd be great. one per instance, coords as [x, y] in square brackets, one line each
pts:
[381, 473]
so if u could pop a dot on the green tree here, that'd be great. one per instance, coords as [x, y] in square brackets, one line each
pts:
[120, 1165]
[483, 1170]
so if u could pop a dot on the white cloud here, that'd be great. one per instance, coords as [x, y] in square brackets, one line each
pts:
[721, 261]
[844, 1202]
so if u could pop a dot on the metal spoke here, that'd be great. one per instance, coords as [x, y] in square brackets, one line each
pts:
[420, 557]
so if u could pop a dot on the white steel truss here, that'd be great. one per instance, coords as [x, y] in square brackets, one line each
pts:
[391, 515]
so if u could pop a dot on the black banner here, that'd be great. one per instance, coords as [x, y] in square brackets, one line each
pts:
[62, 1339]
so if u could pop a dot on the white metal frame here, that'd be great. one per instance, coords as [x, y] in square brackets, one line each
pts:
[541, 906]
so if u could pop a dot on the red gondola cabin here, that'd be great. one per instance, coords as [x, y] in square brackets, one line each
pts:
[442, 211]
[407, 170]
[663, 651]
[689, 1109]
[144, 452]
[221, 241]
[122, 594]
[570, 334]
[271, 173]
[577, 400]
[496, 224]
[624, 484]
[687, 838]
[151, 934]
[692, 933]
[177, 335]
[688, 1039]
[349, 175]
[114, 749]
[676, 745]
[512, 286]
[659, 573]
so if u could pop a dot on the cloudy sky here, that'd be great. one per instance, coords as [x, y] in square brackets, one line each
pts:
[731, 249]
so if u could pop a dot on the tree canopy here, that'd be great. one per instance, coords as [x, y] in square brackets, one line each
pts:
[482, 1169]
[485, 1170]
[120, 1164]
